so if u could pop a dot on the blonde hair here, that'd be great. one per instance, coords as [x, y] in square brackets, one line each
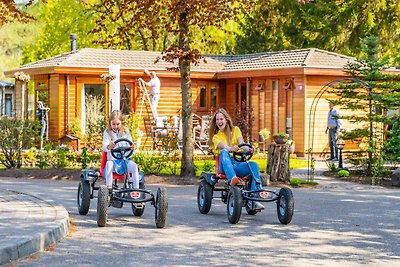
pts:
[116, 114]
[213, 129]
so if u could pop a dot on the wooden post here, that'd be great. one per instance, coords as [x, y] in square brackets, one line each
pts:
[278, 163]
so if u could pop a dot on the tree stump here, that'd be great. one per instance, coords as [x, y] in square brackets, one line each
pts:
[278, 163]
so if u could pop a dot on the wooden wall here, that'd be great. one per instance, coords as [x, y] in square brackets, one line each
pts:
[65, 103]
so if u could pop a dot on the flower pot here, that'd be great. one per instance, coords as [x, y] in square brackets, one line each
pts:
[280, 140]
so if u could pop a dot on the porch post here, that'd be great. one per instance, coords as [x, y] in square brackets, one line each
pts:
[114, 88]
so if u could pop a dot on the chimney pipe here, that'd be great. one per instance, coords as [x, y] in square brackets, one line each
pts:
[72, 37]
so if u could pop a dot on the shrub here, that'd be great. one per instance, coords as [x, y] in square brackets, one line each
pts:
[16, 135]
[343, 173]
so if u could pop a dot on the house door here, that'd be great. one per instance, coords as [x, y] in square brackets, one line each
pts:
[241, 94]
[93, 107]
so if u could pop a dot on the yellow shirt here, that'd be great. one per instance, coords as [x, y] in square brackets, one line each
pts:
[221, 137]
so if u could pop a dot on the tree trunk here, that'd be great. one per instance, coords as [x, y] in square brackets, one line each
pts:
[187, 166]
[278, 163]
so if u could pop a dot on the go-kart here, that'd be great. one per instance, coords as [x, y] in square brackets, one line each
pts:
[118, 195]
[240, 195]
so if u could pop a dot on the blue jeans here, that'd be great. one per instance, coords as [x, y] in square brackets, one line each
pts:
[231, 168]
[332, 143]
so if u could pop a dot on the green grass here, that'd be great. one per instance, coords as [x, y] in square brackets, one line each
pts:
[295, 182]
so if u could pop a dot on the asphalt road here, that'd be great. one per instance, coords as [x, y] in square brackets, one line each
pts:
[339, 224]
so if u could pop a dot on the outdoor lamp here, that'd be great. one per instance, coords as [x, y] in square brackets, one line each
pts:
[340, 145]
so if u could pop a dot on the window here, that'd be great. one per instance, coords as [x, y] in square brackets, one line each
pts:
[241, 94]
[203, 96]
[125, 101]
[207, 96]
[213, 96]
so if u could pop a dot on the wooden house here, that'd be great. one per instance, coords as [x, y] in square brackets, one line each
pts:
[279, 87]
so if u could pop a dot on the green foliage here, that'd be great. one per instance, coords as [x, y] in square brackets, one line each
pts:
[15, 136]
[336, 26]
[365, 95]
[331, 165]
[149, 162]
[61, 159]
[343, 173]
[295, 182]
[57, 19]
[208, 166]
[282, 134]
[391, 148]
[132, 121]
[84, 158]
[95, 121]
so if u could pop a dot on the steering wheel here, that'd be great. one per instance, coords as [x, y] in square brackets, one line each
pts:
[119, 152]
[242, 155]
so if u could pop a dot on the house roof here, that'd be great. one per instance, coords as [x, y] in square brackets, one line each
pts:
[133, 59]
[6, 84]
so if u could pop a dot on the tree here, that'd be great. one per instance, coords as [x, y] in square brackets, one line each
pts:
[336, 26]
[184, 16]
[11, 12]
[167, 25]
[370, 93]
[55, 22]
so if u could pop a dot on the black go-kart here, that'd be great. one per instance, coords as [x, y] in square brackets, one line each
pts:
[119, 194]
[239, 196]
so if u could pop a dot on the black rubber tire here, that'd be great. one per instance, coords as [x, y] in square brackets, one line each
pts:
[204, 197]
[139, 211]
[250, 211]
[234, 204]
[285, 205]
[83, 197]
[161, 206]
[103, 200]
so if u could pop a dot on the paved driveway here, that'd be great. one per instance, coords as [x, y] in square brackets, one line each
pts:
[336, 224]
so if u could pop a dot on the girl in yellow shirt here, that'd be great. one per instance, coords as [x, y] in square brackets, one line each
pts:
[226, 138]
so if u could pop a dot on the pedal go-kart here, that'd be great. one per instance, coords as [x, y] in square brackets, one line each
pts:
[240, 195]
[119, 194]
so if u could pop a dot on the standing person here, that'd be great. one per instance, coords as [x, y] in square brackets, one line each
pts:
[114, 131]
[333, 128]
[226, 138]
[154, 90]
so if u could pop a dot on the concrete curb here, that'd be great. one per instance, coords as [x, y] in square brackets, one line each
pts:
[33, 224]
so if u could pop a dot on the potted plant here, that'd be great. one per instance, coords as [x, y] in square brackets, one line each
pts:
[280, 138]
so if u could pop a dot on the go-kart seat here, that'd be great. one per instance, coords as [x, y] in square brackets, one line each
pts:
[116, 176]
[222, 175]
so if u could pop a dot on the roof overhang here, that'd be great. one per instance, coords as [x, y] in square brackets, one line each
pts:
[98, 71]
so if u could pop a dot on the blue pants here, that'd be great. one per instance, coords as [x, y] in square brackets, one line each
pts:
[231, 168]
[332, 143]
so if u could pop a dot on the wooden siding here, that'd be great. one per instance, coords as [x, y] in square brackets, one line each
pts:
[65, 100]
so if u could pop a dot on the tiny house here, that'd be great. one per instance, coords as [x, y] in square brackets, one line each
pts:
[278, 86]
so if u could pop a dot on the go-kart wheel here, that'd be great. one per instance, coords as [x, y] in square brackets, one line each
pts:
[242, 155]
[234, 205]
[103, 200]
[138, 211]
[83, 197]
[204, 197]
[161, 206]
[285, 205]
[120, 152]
